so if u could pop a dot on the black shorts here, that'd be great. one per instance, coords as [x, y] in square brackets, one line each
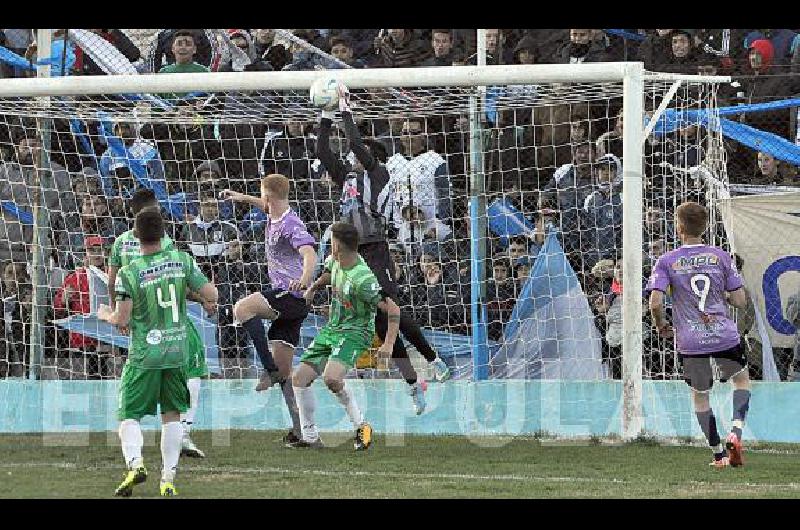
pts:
[698, 371]
[380, 262]
[292, 311]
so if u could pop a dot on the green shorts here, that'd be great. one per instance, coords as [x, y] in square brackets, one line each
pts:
[142, 391]
[195, 353]
[345, 347]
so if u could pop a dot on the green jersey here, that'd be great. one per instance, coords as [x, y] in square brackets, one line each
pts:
[157, 285]
[190, 68]
[355, 297]
[127, 247]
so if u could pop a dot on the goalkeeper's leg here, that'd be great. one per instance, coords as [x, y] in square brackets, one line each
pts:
[413, 334]
[400, 357]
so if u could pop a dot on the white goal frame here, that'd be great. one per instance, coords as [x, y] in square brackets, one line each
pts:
[630, 74]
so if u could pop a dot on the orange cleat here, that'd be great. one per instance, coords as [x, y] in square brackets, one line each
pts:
[734, 446]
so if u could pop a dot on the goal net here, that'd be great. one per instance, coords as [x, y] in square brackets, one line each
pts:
[507, 216]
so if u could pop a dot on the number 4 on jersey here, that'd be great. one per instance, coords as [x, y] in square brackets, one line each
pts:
[171, 303]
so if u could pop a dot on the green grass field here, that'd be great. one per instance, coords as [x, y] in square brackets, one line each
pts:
[253, 464]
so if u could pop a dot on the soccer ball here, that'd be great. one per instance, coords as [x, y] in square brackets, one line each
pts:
[325, 93]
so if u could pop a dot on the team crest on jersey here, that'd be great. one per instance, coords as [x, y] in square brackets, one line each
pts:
[338, 295]
[691, 262]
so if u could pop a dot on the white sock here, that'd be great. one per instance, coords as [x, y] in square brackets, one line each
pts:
[305, 406]
[187, 418]
[130, 435]
[345, 397]
[171, 435]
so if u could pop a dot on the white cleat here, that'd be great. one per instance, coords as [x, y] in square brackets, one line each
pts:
[417, 393]
[441, 372]
[188, 448]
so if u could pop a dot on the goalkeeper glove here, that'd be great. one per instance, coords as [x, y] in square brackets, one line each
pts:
[344, 98]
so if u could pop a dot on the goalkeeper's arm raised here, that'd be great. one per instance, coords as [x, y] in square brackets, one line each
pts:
[334, 165]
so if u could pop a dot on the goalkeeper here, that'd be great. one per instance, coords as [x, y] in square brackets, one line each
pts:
[366, 204]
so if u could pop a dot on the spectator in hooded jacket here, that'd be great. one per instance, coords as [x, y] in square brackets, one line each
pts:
[73, 296]
[208, 236]
[656, 50]
[242, 40]
[603, 210]
[762, 86]
[442, 44]
[269, 56]
[526, 51]
[581, 48]
[400, 48]
[784, 43]
[85, 65]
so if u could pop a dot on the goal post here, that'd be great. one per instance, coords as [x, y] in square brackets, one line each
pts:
[251, 99]
[632, 213]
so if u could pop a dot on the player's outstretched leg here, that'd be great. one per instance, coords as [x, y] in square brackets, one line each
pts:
[741, 404]
[171, 436]
[251, 311]
[302, 378]
[334, 379]
[284, 354]
[413, 334]
[130, 435]
[188, 448]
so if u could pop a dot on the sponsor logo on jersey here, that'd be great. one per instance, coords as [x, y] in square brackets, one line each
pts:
[692, 262]
[156, 271]
[154, 337]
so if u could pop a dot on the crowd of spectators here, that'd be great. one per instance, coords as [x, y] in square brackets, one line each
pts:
[560, 165]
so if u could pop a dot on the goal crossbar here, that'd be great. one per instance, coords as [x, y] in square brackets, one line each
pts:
[353, 78]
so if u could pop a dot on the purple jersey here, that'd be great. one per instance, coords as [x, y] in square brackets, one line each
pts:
[699, 276]
[285, 236]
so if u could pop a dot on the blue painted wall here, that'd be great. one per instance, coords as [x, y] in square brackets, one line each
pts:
[508, 407]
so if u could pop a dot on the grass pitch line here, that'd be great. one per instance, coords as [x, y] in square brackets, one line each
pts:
[388, 474]
[324, 473]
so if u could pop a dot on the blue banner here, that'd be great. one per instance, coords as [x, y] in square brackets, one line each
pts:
[13, 208]
[551, 333]
[767, 142]
[506, 221]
